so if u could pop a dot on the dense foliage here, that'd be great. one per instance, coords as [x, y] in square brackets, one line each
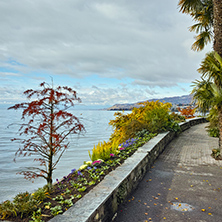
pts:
[187, 112]
[207, 93]
[151, 117]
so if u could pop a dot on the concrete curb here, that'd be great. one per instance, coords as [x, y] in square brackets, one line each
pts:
[102, 202]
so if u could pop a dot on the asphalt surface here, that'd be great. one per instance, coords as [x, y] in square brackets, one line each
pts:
[184, 184]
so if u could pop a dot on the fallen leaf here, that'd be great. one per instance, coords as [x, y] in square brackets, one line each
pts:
[146, 213]
[209, 213]
[203, 210]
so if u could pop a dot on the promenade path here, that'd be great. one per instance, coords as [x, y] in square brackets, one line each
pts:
[184, 184]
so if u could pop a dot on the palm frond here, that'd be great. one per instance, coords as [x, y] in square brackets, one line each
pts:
[187, 6]
[211, 67]
[201, 40]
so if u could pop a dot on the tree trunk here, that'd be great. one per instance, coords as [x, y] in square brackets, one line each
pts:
[217, 23]
[50, 158]
[220, 128]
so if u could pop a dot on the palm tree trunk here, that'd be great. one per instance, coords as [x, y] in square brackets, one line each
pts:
[220, 128]
[217, 23]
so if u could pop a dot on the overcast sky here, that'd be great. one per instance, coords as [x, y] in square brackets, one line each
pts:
[109, 51]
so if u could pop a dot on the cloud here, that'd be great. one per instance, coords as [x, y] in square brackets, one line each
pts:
[145, 41]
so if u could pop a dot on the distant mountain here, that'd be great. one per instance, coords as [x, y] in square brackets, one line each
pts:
[176, 100]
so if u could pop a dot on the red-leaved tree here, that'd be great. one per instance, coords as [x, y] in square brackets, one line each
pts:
[47, 129]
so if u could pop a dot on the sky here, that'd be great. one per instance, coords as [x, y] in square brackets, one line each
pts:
[119, 51]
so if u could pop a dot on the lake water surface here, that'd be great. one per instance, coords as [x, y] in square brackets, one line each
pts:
[97, 129]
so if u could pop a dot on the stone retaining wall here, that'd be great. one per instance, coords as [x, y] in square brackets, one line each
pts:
[101, 203]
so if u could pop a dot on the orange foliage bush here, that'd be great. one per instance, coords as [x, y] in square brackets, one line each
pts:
[187, 112]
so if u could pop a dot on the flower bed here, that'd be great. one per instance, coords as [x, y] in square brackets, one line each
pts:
[43, 205]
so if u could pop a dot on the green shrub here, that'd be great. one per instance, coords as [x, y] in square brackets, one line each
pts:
[40, 194]
[215, 153]
[213, 126]
[7, 209]
[24, 203]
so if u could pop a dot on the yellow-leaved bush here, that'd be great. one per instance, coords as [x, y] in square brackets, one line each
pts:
[103, 150]
[153, 117]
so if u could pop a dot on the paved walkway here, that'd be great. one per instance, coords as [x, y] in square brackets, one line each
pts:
[185, 184]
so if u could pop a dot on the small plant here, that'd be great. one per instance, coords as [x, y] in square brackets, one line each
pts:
[36, 216]
[67, 191]
[67, 202]
[82, 189]
[24, 203]
[102, 151]
[92, 183]
[58, 198]
[176, 117]
[74, 184]
[40, 194]
[56, 210]
[7, 208]
[142, 133]
[47, 205]
[216, 154]
[213, 132]
[77, 196]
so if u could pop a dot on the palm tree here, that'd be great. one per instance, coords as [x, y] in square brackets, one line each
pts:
[209, 14]
[202, 12]
[208, 92]
[207, 96]
[202, 94]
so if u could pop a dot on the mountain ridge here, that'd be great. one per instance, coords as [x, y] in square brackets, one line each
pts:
[175, 100]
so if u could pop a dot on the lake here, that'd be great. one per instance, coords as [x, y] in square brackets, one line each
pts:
[97, 129]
